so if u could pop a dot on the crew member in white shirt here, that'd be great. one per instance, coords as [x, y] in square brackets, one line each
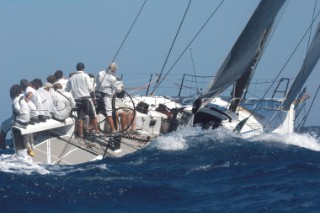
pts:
[106, 86]
[20, 116]
[34, 113]
[82, 91]
[61, 79]
[63, 103]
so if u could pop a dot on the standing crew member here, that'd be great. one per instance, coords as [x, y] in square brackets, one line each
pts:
[82, 90]
[107, 85]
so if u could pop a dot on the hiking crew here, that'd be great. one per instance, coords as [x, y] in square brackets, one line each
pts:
[63, 103]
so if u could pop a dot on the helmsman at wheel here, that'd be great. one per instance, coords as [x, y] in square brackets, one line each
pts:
[107, 85]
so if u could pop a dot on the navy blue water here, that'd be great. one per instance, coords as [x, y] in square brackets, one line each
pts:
[188, 171]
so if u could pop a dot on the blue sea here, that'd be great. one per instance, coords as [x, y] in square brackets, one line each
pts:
[191, 170]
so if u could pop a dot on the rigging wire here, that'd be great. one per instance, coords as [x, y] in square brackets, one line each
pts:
[295, 49]
[277, 22]
[307, 114]
[121, 45]
[282, 69]
[268, 41]
[174, 41]
[142, 87]
[314, 11]
[192, 40]
[194, 69]
[309, 39]
[125, 38]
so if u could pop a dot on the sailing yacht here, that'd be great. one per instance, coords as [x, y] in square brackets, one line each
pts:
[250, 117]
[156, 115]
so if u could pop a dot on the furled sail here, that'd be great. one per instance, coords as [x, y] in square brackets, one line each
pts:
[309, 63]
[247, 47]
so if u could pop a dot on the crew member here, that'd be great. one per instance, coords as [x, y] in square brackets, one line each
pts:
[61, 79]
[63, 103]
[125, 111]
[82, 90]
[28, 92]
[21, 115]
[46, 98]
[107, 85]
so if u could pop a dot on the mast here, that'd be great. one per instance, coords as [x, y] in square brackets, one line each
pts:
[241, 85]
[309, 63]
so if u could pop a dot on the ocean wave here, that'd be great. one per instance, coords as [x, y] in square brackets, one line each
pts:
[304, 140]
[185, 137]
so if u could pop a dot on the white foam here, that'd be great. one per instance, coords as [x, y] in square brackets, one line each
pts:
[304, 140]
[178, 140]
[205, 168]
[200, 169]
[20, 163]
[175, 140]
[220, 134]
[171, 142]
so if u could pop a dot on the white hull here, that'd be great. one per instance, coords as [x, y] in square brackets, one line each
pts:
[266, 118]
[55, 142]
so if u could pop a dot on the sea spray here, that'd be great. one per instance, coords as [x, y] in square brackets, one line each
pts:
[305, 140]
[20, 163]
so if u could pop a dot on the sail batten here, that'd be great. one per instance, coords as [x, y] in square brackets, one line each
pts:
[309, 63]
[247, 47]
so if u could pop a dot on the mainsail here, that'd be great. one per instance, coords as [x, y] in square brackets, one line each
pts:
[247, 48]
[309, 62]
[241, 85]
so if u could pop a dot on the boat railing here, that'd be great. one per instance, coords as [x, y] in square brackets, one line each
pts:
[256, 104]
[188, 85]
[278, 89]
[302, 112]
[176, 85]
[268, 88]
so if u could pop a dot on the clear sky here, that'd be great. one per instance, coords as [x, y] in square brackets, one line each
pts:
[37, 37]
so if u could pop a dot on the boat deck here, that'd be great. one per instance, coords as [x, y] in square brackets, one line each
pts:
[70, 150]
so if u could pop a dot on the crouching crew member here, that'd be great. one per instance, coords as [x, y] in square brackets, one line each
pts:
[63, 103]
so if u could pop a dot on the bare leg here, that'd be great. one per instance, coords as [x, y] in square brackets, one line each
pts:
[110, 121]
[80, 128]
[130, 118]
[94, 124]
[87, 124]
[124, 122]
[28, 143]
